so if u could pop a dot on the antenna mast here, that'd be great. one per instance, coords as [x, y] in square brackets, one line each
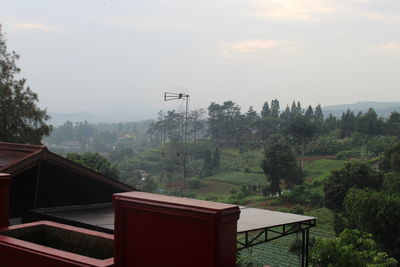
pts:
[177, 96]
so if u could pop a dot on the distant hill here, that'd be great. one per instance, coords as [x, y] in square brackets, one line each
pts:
[383, 109]
[58, 119]
[120, 111]
[127, 110]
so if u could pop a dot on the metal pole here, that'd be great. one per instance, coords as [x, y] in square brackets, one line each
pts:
[307, 244]
[303, 248]
[185, 138]
[175, 96]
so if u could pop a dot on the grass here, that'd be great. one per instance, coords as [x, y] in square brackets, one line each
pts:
[214, 187]
[322, 168]
[239, 178]
[276, 252]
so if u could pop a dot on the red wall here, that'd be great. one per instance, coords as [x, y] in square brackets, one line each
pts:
[153, 230]
[18, 253]
[5, 180]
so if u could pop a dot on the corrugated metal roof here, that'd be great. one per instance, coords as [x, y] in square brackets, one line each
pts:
[16, 158]
[102, 216]
[11, 154]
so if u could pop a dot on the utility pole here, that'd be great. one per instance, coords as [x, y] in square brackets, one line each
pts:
[178, 96]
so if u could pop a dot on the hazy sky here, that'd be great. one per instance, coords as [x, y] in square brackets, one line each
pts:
[83, 55]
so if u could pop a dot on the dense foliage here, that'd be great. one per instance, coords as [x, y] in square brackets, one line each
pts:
[280, 165]
[95, 162]
[359, 175]
[351, 248]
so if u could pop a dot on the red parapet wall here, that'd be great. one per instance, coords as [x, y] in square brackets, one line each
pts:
[15, 252]
[154, 230]
[5, 180]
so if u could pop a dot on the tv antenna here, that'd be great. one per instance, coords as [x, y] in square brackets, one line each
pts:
[177, 96]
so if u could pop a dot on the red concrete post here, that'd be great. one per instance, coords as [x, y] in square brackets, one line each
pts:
[155, 230]
[5, 180]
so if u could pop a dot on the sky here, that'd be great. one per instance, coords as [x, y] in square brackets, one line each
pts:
[84, 55]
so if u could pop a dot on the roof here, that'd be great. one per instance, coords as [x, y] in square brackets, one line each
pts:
[17, 158]
[176, 201]
[252, 219]
[102, 216]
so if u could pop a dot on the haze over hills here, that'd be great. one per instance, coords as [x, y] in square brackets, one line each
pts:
[120, 111]
[131, 110]
[383, 109]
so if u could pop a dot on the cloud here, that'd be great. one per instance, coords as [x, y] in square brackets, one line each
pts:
[250, 47]
[305, 10]
[318, 10]
[381, 17]
[34, 27]
[143, 24]
[391, 46]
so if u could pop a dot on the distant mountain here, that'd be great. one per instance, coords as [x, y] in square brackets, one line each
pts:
[383, 109]
[119, 111]
[127, 110]
[58, 119]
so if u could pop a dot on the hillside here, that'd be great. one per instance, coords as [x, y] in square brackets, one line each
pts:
[383, 109]
[124, 110]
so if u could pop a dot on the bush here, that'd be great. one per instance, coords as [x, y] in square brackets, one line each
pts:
[324, 215]
[347, 154]
[276, 202]
[297, 209]
[305, 194]
[324, 145]
[195, 183]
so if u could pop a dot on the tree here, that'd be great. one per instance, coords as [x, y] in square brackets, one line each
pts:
[348, 123]
[301, 129]
[225, 123]
[391, 159]
[265, 112]
[369, 123]
[309, 114]
[358, 175]
[393, 124]
[196, 122]
[318, 115]
[21, 120]
[275, 109]
[391, 183]
[351, 248]
[280, 165]
[96, 162]
[266, 127]
[249, 120]
[377, 213]
[331, 123]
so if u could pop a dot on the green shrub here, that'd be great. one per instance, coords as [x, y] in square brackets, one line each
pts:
[347, 154]
[297, 209]
[276, 202]
[195, 183]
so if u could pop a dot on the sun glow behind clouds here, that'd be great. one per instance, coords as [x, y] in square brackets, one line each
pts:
[249, 47]
[30, 26]
[305, 10]
[391, 46]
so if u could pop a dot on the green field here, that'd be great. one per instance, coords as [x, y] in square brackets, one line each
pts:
[276, 252]
[319, 169]
[214, 187]
[239, 178]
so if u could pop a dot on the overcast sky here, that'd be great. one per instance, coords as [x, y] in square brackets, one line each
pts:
[83, 55]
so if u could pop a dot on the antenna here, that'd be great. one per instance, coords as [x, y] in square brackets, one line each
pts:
[176, 96]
